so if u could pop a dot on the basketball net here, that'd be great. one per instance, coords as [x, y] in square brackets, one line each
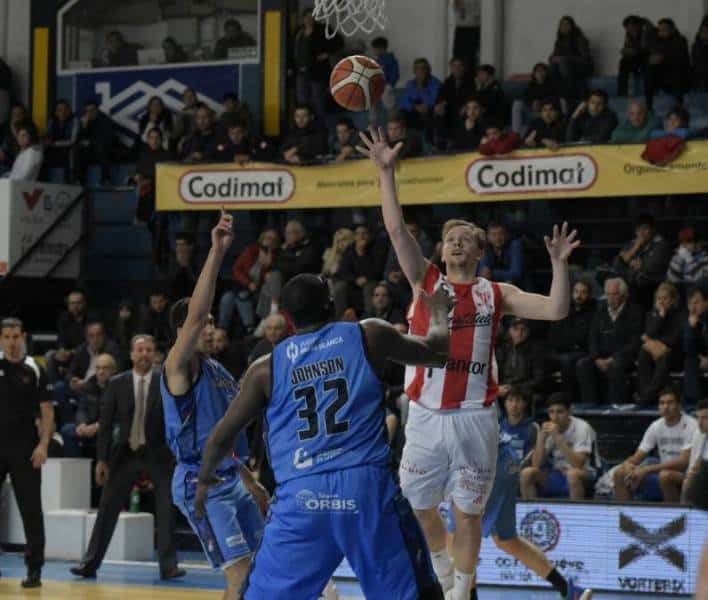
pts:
[350, 16]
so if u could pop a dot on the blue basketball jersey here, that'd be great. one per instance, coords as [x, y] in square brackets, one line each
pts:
[190, 419]
[520, 438]
[326, 410]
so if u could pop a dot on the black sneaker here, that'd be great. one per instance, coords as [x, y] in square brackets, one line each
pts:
[83, 570]
[33, 579]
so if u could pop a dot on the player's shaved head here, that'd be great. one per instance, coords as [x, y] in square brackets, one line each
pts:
[306, 299]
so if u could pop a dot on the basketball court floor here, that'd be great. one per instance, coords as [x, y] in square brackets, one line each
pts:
[140, 581]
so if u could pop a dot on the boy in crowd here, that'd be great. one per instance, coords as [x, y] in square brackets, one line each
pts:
[565, 459]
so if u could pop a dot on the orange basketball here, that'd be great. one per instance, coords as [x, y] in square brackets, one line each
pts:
[357, 83]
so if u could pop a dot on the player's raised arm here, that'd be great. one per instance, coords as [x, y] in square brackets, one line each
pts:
[252, 399]
[184, 348]
[412, 261]
[387, 343]
[554, 306]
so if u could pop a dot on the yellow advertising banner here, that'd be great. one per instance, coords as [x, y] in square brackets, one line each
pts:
[571, 172]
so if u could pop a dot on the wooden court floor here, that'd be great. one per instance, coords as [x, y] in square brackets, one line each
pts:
[65, 590]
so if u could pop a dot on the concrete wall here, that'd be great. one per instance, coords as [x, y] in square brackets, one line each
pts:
[518, 33]
[15, 43]
[530, 27]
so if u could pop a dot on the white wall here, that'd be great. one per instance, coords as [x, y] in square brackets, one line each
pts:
[518, 33]
[530, 27]
[15, 40]
[415, 28]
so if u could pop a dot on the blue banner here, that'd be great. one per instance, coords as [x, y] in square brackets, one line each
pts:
[124, 95]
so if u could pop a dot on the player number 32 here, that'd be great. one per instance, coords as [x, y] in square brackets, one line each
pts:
[309, 412]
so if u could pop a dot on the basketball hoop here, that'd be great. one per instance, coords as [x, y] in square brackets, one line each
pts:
[350, 16]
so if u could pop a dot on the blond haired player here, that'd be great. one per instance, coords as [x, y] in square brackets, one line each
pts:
[452, 432]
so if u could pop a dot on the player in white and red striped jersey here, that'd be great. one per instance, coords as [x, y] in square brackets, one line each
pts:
[452, 430]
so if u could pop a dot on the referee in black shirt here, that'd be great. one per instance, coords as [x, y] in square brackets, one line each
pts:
[24, 397]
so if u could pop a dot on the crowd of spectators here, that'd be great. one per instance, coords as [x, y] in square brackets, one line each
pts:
[613, 349]
[621, 347]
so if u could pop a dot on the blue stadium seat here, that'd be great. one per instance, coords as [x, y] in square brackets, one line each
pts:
[93, 175]
[56, 175]
[697, 103]
[113, 206]
[513, 89]
[121, 172]
[121, 241]
[619, 105]
[114, 269]
[609, 84]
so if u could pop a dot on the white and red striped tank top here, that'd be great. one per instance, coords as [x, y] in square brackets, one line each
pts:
[469, 379]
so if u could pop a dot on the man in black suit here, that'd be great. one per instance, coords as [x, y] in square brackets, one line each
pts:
[132, 401]
[614, 343]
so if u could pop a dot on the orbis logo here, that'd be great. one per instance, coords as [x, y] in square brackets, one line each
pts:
[240, 186]
[532, 174]
[309, 501]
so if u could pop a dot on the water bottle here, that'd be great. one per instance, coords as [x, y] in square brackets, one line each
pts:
[135, 500]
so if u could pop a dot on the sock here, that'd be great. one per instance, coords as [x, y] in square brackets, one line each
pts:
[442, 565]
[558, 582]
[463, 585]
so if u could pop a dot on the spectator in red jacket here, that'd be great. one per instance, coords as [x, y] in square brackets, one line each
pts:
[497, 141]
[249, 271]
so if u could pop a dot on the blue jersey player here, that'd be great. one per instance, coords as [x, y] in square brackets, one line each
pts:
[517, 438]
[323, 402]
[196, 393]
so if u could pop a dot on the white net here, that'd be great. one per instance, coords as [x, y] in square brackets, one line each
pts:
[350, 16]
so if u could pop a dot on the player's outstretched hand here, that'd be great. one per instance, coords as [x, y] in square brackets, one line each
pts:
[440, 303]
[223, 234]
[377, 149]
[562, 244]
[202, 495]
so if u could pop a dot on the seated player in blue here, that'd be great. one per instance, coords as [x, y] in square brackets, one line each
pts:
[323, 400]
[565, 460]
[196, 392]
[517, 438]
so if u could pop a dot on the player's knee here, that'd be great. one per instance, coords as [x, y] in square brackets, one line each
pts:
[426, 515]
[575, 475]
[618, 476]
[666, 477]
[529, 474]
[465, 522]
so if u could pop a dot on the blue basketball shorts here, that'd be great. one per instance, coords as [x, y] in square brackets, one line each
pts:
[232, 525]
[499, 517]
[317, 520]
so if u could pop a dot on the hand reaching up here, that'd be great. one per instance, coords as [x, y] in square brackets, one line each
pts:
[378, 150]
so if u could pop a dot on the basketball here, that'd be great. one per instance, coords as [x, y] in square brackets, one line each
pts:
[357, 83]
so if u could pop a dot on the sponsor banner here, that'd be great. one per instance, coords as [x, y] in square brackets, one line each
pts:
[572, 172]
[629, 548]
[124, 95]
[27, 210]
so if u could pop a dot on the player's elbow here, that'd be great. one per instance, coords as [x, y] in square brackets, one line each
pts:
[558, 312]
